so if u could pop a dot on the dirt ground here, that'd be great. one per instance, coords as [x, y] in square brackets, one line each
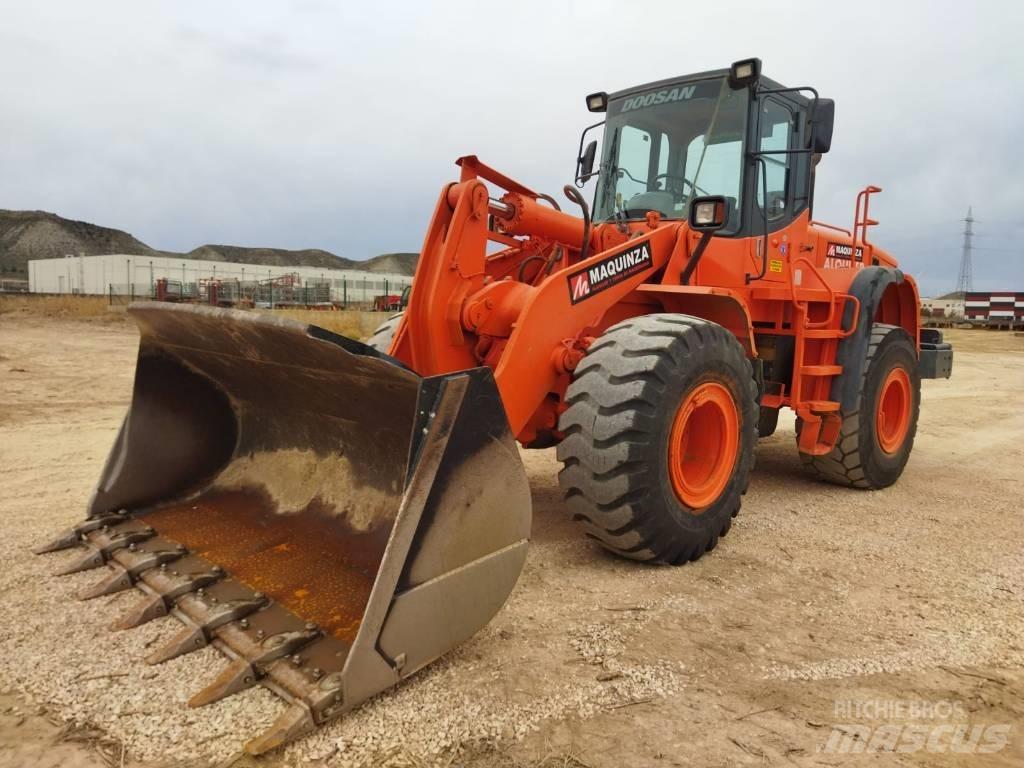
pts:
[824, 614]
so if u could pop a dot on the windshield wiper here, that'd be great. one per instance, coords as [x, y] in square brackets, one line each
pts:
[609, 187]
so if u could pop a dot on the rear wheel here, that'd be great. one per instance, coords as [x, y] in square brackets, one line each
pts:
[381, 338]
[659, 437]
[875, 440]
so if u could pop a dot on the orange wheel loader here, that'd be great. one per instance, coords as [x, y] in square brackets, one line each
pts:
[334, 516]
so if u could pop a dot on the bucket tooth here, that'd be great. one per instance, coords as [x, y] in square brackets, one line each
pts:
[294, 722]
[94, 558]
[188, 640]
[159, 605]
[236, 677]
[145, 611]
[72, 537]
[98, 555]
[125, 576]
[242, 674]
[194, 638]
[118, 580]
[66, 540]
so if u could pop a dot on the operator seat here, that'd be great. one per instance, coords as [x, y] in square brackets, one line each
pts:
[658, 200]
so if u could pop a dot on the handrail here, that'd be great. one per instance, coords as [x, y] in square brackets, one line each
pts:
[863, 224]
[833, 295]
[803, 305]
[846, 332]
[830, 226]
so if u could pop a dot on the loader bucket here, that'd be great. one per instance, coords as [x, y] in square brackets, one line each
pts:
[328, 519]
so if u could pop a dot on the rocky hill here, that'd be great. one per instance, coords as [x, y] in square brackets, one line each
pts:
[28, 235]
[399, 263]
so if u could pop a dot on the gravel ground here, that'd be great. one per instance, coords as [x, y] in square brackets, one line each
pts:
[819, 596]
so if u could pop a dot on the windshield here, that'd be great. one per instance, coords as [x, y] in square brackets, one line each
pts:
[665, 146]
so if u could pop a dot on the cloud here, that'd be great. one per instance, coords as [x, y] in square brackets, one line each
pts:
[336, 125]
[266, 50]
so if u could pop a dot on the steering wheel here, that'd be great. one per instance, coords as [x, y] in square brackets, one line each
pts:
[693, 187]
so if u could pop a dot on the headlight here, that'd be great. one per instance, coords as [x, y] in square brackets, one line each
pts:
[744, 72]
[597, 102]
[708, 214]
[705, 214]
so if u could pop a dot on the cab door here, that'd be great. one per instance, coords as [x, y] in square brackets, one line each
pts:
[781, 190]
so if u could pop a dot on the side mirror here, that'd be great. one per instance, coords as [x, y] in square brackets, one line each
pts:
[585, 162]
[709, 214]
[822, 119]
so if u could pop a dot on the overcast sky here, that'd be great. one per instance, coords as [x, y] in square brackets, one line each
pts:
[334, 125]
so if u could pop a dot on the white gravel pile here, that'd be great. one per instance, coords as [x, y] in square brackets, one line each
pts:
[430, 718]
[60, 651]
[980, 631]
[814, 583]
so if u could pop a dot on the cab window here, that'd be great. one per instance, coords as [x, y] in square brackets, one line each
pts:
[776, 129]
[670, 144]
[635, 148]
[718, 167]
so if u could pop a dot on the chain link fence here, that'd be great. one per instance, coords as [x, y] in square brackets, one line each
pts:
[11, 285]
[287, 291]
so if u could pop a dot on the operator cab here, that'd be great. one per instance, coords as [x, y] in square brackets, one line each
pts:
[728, 133]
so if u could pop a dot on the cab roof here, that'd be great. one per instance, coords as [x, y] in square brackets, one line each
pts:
[711, 74]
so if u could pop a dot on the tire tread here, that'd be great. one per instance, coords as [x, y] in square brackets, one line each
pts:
[613, 409]
[844, 465]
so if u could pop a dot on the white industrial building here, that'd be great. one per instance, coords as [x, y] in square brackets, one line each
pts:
[942, 307]
[137, 275]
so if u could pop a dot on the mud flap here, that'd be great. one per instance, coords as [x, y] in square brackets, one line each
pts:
[329, 520]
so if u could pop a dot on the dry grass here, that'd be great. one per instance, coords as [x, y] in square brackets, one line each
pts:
[352, 323]
[982, 340]
[347, 322]
[357, 324]
[66, 307]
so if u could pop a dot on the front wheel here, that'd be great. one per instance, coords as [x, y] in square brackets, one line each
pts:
[659, 437]
[876, 438]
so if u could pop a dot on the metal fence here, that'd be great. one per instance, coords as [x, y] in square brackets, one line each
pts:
[10, 285]
[279, 292]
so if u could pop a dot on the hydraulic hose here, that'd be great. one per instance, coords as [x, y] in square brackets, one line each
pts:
[575, 196]
[550, 199]
[546, 267]
[521, 275]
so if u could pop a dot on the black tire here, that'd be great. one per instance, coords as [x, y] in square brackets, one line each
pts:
[381, 338]
[767, 421]
[621, 407]
[858, 459]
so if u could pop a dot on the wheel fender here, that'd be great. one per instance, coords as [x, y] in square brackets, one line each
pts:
[721, 306]
[868, 287]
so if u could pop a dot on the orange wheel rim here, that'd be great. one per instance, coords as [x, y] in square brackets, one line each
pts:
[892, 417]
[702, 445]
